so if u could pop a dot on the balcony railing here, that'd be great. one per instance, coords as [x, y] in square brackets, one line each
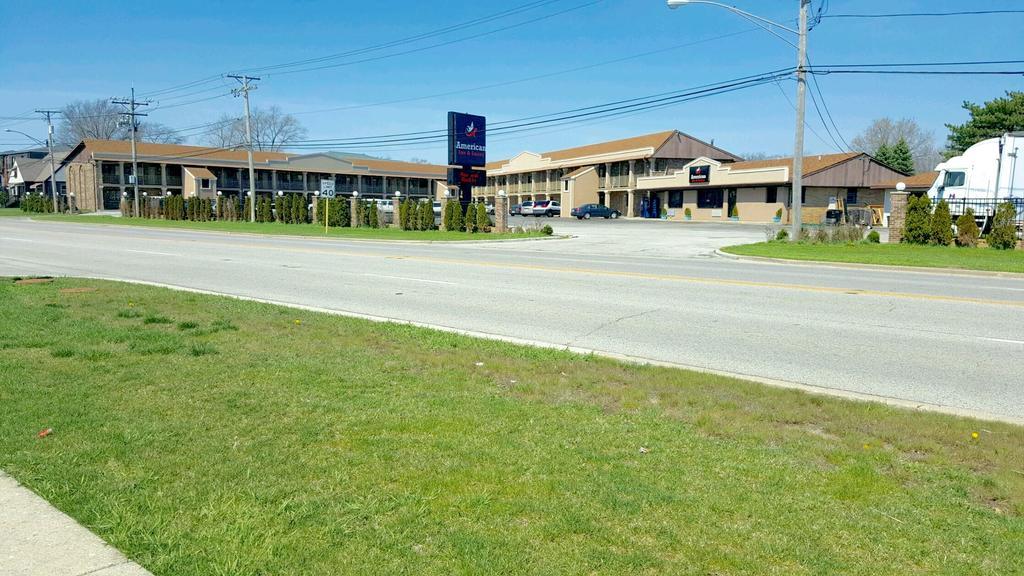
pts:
[111, 178]
[290, 186]
[226, 183]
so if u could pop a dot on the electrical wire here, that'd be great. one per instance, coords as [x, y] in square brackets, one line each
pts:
[927, 14]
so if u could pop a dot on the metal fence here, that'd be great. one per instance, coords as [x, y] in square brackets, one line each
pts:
[984, 207]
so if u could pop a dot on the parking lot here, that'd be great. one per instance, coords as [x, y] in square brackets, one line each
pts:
[637, 237]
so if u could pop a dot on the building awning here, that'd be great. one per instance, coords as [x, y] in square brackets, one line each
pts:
[198, 172]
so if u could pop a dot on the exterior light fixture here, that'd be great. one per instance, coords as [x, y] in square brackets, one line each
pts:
[355, 193]
[502, 193]
[900, 186]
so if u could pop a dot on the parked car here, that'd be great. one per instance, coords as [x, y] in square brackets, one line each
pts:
[588, 211]
[515, 210]
[437, 208]
[547, 208]
[526, 208]
[384, 205]
[490, 208]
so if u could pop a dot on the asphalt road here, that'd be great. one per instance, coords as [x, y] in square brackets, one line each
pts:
[649, 290]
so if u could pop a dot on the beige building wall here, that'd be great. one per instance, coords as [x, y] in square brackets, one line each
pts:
[582, 190]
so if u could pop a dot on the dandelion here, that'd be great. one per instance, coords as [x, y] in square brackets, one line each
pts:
[298, 322]
[974, 435]
[867, 446]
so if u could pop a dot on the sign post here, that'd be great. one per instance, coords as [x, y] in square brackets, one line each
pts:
[327, 191]
[467, 148]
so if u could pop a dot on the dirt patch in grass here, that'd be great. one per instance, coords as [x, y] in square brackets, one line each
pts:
[30, 281]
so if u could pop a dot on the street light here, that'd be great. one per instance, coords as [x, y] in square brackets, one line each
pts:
[796, 198]
[53, 173]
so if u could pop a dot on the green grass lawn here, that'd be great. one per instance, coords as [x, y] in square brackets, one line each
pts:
[275, 228]
[11, 212]
[206, 435]
[890, 254]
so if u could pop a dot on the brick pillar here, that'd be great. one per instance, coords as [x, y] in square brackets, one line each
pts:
[353, 211]
[501, 214]
[897, 216]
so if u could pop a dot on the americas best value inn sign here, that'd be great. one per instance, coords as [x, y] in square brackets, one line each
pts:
[467, 140]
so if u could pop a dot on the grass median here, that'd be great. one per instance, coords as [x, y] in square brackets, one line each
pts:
[986, 259]
[275, 228]
[207, 435]
[11, 212]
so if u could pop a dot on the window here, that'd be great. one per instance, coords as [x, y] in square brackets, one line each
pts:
[955, 179]
[204, 183]
[772, 195]
[709, 199]
[675, 199]
[851, 196]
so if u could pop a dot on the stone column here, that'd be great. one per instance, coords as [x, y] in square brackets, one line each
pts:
[632, 173]
[501, 214]
[897, 216]
[631, 203]
[607, 177]
[163, 179]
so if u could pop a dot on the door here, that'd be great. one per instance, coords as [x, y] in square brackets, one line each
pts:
[732, 201]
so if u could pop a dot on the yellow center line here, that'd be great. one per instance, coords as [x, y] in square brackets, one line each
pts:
[608, 273]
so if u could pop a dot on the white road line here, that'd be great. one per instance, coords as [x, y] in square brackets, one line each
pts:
[17, 239]
[150, 252]
[1002, 340]
[411, 279]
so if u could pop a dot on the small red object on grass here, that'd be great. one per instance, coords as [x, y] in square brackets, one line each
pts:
[45, 432]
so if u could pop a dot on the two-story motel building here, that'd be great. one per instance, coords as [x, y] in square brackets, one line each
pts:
[98, 173]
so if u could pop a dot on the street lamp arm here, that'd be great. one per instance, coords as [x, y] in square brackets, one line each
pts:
[765, 23]
[36, 140]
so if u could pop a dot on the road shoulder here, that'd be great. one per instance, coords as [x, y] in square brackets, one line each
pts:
[859, 266]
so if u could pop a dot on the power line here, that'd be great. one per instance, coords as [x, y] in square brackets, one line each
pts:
[817, 87]
[826, 72]
[926, 14]
[807, 125]
[925, 64]
[439, 44]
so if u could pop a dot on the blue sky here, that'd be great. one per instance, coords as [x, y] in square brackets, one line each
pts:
[97, 49]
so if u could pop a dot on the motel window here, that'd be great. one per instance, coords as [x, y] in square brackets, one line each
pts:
[709, 199]
[772, 195]
[851, 196]
[675, 199]
[204, 183]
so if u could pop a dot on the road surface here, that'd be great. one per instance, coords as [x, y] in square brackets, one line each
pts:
[649, 290]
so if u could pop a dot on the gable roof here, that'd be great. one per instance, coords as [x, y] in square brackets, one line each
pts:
[199, 172]
[38, 169]
[652, 142]
[812, 164]
[124, 147]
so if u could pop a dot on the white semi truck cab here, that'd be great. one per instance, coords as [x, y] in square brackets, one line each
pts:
[985, 175]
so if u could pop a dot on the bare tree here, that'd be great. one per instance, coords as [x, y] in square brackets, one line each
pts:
[751, 156]
[887, 132]
[100, 120]
[272, 130]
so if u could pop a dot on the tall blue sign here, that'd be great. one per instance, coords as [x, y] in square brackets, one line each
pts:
[467, 140]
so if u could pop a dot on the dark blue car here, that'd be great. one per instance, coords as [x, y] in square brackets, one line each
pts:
[588, 211]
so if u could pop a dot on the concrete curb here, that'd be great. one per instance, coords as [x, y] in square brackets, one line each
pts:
[809, 388]
[881, 267]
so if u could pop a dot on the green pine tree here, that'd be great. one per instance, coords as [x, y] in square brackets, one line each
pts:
[456, 216]
[1003, 235]
[991, 120]
[884, 154]
[469, 219]
[902, 159]
[942, 225]
[917, 229]
[483, 223]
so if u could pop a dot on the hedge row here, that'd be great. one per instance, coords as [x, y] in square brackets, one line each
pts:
[923, 225]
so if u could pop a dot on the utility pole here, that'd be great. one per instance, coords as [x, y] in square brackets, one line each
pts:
[49, 146]
[244, 92]
[801, 107]
[129, 116]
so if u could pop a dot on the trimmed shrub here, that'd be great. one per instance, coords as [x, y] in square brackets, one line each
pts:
[782, 235]
[967, 232]
[873, 237]
[778, 213]
[483, 222]
[457, 216]
[917, 229]
[547, 230]
[469, 221]
[246, 208]
[373, 219]
[1003, 235]
[688, 213]
[426, 216]
[448, 215]
[735, 212]
[942, 225]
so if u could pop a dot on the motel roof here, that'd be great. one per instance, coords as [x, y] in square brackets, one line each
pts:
[666, 144]
[328, 162]
[922, 181]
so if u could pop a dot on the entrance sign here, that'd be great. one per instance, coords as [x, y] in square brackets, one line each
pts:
[467, 139]
[327, 188]
[467, 177]
[700, 174]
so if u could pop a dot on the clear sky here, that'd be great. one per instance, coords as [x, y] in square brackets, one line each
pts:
[57, 51]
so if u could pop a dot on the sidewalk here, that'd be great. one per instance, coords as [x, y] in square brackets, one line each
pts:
[39, 540]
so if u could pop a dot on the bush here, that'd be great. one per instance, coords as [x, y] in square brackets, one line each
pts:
[373, 215]
[483, 223]
[917, 229]
[942, 225]
[246, 208]
[688, 213]
[547, 230]
[1003, 235]
[456, 216]
[735, 212]
[470, 218]
[873, 237]
[782, 235]
[967, 231]
[427, 216]
[778, 214]
[821, 236]
[4, 197]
